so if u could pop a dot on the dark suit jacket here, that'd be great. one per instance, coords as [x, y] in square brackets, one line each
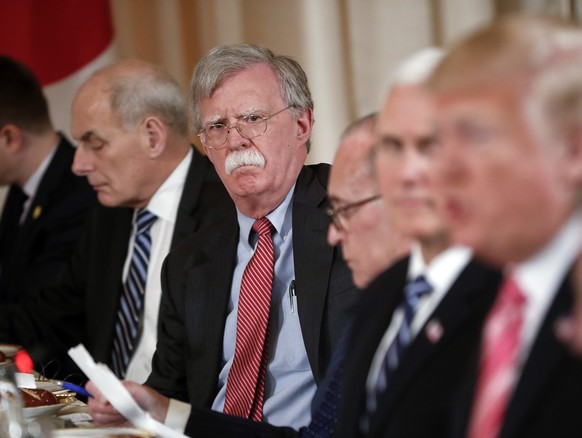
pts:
[196, 281]
[50, 231]
[546, 400]
[82, 306]
[420, 392]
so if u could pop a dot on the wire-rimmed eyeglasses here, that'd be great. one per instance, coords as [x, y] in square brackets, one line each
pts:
[337, 215]
[214, 136]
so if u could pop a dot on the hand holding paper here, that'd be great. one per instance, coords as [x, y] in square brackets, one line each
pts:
[114, 391]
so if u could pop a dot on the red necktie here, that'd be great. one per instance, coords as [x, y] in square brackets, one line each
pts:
[245, 386]
[499, 352]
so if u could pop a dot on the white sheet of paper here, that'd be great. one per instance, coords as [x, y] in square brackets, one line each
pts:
[116, 394]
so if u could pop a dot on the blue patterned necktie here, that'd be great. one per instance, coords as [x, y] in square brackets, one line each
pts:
[324, 417]
[130, 309]
[413, 293]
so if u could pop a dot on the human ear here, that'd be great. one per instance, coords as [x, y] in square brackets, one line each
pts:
[304, 125]
[11, 138]
[156, 132]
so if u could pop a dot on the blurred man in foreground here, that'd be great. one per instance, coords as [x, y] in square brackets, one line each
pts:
[47, 205]
[360, 222]
[510, 115]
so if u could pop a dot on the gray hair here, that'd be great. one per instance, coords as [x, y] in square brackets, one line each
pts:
[138, 89]
[365, 123]
[417, 68]
[225, 61]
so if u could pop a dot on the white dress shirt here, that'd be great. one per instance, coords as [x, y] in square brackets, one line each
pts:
[164, 204]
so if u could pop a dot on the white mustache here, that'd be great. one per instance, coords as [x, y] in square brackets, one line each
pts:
[246, 157]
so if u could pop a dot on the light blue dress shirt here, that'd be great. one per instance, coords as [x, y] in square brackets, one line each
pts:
[289, 385]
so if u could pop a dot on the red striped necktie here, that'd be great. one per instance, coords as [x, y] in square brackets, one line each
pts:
[245, 386]
[498, 374]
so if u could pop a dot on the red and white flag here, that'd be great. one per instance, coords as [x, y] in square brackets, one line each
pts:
[62, 41]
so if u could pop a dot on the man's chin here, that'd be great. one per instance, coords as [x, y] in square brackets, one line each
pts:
[106, 200]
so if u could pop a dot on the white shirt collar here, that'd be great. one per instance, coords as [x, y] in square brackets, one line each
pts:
[164, 202]
[443, 270]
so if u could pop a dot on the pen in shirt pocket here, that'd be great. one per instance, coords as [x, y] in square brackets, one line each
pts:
[292, 295]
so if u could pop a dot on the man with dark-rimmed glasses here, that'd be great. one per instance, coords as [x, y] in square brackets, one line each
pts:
[204, 321]
[360, 224]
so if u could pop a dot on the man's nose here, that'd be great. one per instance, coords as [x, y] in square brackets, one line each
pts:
[81, 163]
[334, 235]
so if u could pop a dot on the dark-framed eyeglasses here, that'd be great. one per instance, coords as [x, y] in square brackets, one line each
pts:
[214, 136]
[337, 216]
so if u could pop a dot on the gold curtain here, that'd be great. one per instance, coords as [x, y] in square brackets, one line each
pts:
[347, 47]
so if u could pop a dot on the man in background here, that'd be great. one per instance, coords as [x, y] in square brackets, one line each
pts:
[46, 205]
[130, 123]
[419, 321]
[360, 223]
[510, 115]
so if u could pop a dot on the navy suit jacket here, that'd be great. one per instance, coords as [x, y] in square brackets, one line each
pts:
[50, 231]
[82, 306]
[196, 281]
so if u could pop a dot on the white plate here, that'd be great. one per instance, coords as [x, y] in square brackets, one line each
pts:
[37, 411]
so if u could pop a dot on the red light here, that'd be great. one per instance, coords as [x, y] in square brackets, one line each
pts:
[23, 362]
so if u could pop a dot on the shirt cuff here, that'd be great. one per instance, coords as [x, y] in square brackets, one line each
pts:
[178, 414]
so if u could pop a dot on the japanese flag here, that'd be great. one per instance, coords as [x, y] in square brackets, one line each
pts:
[61, 41]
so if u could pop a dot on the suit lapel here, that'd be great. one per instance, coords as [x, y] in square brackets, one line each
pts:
[28, 231]
[374, 314]
[542, 363]
[114, 253]
[186, 221]
[313, 259]
[58, 166]
[208, 288]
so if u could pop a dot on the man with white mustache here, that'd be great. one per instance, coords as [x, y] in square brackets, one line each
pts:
[247, 157]
[253, 113]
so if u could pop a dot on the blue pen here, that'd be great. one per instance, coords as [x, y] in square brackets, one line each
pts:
[72, 387]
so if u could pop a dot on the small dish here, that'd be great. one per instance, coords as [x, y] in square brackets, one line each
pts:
[39, 411]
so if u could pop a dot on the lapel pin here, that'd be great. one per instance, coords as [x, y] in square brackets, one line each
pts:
[36, 212]
[434, 331]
